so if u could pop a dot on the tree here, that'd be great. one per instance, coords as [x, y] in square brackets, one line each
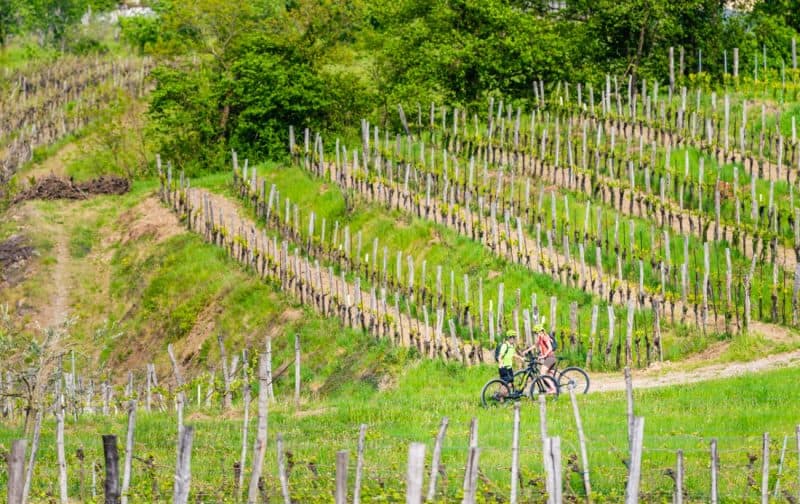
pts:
[788, 10]
[9, 20]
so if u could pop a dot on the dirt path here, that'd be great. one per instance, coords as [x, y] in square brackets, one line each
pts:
[55, 310]
[663, 376]
[60, 284]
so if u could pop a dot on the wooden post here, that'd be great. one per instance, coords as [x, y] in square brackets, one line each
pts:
[112, 469]
[635, 464]
[227, 401]
[629, 410]
[341, 477]
[16, 471]
[587, 485]
[555, 465]
[714, 472]
[126, 470]
[37, 429]
[268, 354]
[282, 471]
[515, 455]
[545, 443]
[678, 498]
[473, 442]
[472, 481]
[260, 446]
[776, 491]
[245, 425]
[183, 470]
[148, 389]
[362, 433]
[62, 459]
[179, 381]
[765, 469]
[797, 440]
[437, 456]
[297, 370]
[416, 468]
[629, 335]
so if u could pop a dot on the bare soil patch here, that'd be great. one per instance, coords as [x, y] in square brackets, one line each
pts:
[149, 219]
[53, 187]
[14, 255]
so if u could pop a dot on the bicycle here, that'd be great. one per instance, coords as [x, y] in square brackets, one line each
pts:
[571, 376]
[497, 392]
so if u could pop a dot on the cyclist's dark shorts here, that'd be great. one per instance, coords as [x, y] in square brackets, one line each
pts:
[506, 374]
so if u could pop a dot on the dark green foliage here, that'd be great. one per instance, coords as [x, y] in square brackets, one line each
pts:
[261, 67]
[269, 89]
[9, 20]
[272, 87]
[184, 120]
[140, 31]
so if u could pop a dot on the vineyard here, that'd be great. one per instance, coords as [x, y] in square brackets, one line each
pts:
[318, 326]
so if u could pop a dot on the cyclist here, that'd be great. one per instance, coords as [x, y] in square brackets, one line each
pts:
[505, 357]
[544, 344]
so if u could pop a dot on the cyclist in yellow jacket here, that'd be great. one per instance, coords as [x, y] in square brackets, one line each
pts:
[505, 357]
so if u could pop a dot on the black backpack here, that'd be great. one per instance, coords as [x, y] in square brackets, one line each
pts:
[497, 351]
[553, 341]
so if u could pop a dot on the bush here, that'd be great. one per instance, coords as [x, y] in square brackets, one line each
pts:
[83, 45]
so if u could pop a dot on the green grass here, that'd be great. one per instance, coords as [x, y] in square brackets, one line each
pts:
[684, 417]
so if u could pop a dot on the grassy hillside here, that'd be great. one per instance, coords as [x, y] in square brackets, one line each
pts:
[132, 280]
[683, 418]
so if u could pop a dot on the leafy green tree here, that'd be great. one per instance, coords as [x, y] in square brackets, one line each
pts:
[184, 120]
[9, 20]
[787, 10]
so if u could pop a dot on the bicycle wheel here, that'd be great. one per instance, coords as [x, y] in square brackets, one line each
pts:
[495, 393]
[574, 376]
[522, 381]
[544, 385]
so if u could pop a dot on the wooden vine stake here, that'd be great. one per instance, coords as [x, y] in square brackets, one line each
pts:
[714, 472]
[629, 402]
[635, 464]
[362, 433]
[62, 459]
[111, 454]
[260, 446]
[126, 471]
[678, 497]
[416, 469]
[16, 471]
[183, 469]
[515, 455]
[437, 456]
[553, 452]
[341, 477]
[245, 425]
[473, 443]
[297, 370]
[37, 430]
[282, 471]
[587, 485]
[765, 469]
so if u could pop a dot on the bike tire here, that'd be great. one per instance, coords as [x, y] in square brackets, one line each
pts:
[544, 384]
[574, 375]
[495, 393]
